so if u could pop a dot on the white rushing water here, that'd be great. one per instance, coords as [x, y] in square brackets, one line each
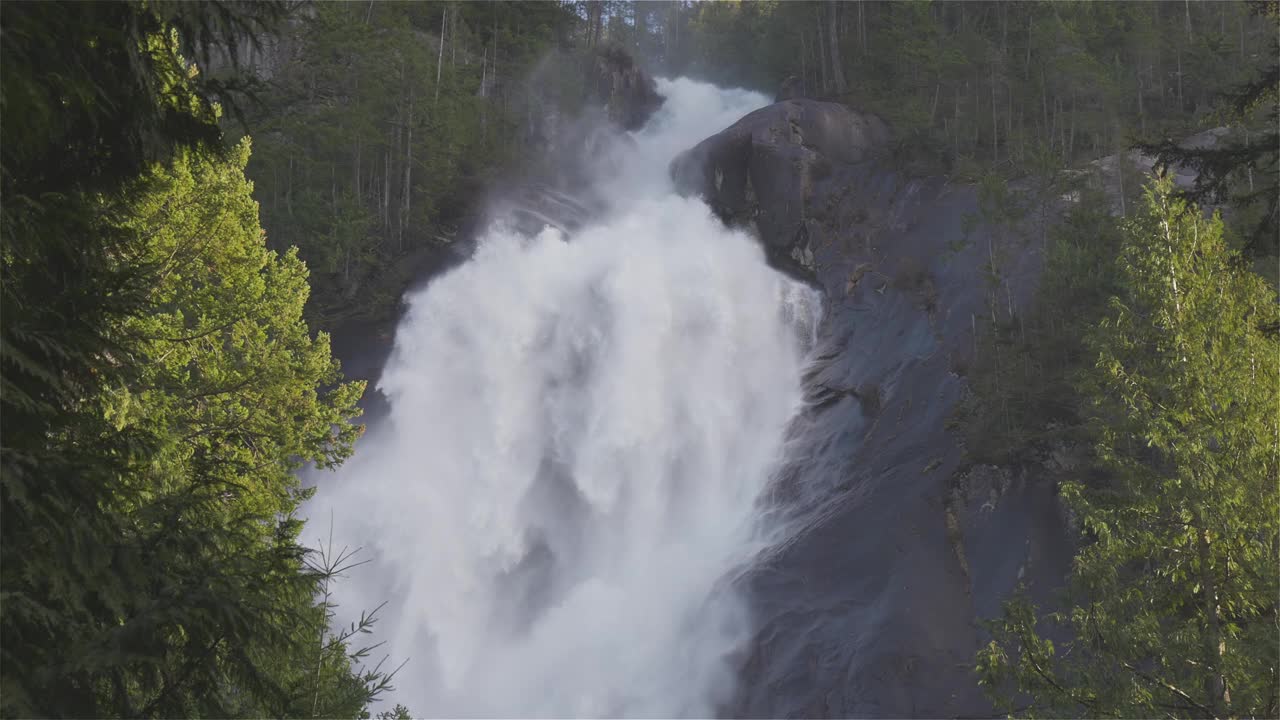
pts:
[579, 433]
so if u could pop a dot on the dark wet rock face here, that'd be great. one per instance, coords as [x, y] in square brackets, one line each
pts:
[764, 172]
[870, 608]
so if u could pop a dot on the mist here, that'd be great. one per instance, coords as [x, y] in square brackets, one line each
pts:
[580, 430]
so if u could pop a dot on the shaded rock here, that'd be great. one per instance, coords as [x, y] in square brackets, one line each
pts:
[871, 606]
[772, 168]
[628, 92]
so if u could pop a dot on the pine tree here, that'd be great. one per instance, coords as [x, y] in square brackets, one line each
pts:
[179, 586]
[1245, 169]
[1174, 597]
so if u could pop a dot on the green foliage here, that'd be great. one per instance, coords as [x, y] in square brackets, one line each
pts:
[229, 363]
[1023, 397]
[1173, 601]
[399, 712]
[1243, 169]
[92, 102]
[192, 596]
[158, 389]
[988, 84]
[385, 123]
[386, 120]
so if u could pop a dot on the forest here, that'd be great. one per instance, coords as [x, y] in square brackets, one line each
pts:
[195, 195]
[386, 120]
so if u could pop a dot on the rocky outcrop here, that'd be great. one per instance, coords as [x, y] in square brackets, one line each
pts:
[895, 550]
[771, 172]
[628, 93]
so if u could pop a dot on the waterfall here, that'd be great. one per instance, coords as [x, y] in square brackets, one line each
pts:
[579, 434]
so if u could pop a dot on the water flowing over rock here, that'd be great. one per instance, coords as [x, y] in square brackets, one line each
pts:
[579, 432]
[628, 472]
[564, 156]
[890, 552]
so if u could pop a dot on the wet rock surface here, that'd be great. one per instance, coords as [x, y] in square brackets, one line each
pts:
[769, 172]
[894, 551]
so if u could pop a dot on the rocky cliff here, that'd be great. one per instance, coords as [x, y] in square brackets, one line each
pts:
[895, 549]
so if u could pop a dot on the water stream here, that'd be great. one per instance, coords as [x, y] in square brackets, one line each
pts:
[579, 434]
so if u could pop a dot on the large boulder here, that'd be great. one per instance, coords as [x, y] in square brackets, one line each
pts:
[765, 170]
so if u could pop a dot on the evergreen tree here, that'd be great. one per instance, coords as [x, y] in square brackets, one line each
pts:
[1245, 169]
[195, 596]
[385, 123]
[159, 388]
[1174, 598]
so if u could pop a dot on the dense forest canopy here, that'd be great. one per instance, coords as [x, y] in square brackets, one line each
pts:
[193, 193]
[1172, 600]
[160, 388]
[385, 120]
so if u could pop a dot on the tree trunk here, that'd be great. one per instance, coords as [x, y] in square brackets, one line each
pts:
[1071, 136]
[1250, 166]
[1120, 174]
[995, 119]
[822, 55]
[1215, 684]
[444, 22]
[1026, 61]
[833, 39]
[1059, 135]
[595, 15]
[1044, 106]
[1181, 103]
[1142, 113]
[1004, 30]
[675, 33]
[862, 26]
[804, 79]
[956, 124]
[408, 170]
[977, 114]
[1008, 125]
[1241, 37]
